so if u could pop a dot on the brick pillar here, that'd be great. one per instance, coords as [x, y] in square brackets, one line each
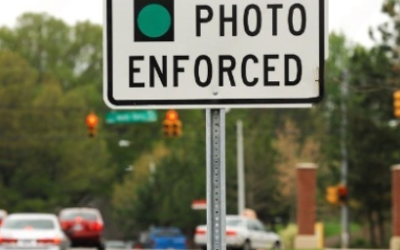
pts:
[395, 241]
[306, 206]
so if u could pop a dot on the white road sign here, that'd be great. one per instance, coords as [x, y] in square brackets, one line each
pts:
[213, 53]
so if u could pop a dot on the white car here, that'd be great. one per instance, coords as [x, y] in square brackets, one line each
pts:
[32, 231]
[242, 233]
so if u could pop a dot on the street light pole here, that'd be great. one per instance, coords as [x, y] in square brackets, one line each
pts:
[344, 170]
[152, 170]
[240, 167]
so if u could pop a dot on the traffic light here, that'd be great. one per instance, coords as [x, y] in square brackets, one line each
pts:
[396, 104]
[167, 127]
[172, 126]
[332, 195]
[342, 190]
[91, 121]
[177, 128]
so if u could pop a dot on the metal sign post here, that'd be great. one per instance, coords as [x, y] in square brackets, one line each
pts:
[216, 204]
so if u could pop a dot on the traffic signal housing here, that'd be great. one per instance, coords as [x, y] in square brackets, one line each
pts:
[167, 128]
[396, 104]
[92, 121]
[172, 126]
[177, 128]
[342, 191]
[332, 195]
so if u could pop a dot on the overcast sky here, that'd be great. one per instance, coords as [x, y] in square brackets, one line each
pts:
[353, 17]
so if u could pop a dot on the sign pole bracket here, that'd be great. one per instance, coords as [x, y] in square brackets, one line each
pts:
[216, 198]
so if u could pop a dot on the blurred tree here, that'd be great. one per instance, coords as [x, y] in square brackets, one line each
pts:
[72, 54]
[372, 141]
[165, 196]
[374, 76]
[50, 170]
[292, 151]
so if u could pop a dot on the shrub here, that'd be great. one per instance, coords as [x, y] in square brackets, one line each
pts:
[288, 235]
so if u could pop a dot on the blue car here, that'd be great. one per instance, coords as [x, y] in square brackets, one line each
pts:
[164, 238]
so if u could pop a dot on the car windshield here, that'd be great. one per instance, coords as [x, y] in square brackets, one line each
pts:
[233, 222]
[76, 214]
[41, 224]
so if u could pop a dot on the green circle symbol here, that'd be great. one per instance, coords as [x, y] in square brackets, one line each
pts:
[154, 20]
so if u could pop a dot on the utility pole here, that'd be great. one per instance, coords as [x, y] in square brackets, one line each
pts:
[344, 152]
[240, 167]
[152, 170]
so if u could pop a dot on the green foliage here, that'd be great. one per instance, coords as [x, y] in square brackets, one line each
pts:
[165, 196]
[288, 235]
[334, 228]
[46, 161]
[360, 243]
[72, 54]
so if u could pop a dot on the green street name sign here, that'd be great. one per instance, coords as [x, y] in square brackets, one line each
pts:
[118, 117]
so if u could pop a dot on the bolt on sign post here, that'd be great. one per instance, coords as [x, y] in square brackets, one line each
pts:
[92, 121]
[213, 55]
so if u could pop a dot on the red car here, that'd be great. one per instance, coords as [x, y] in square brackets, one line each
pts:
[84, 227]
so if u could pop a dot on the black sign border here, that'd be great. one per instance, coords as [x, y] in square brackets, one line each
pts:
[213, 102]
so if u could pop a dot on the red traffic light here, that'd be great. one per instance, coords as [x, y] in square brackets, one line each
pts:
[92, 120]
[172, 115]
[342, 191]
